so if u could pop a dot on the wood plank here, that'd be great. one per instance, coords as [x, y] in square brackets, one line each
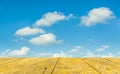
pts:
[37, 66]
[103, 66]
[114, 60]
[73, 66]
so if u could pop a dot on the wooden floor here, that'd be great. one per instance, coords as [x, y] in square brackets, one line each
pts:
[59, 66]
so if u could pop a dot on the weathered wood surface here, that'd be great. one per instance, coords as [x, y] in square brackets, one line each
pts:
[59, 66]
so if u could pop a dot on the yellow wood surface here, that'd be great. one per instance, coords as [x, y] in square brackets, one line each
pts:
[59, 66]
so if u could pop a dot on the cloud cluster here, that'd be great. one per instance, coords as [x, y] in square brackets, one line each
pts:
[16, 53]
[51, 54]
[79, 53]
[99, 53]
[96, 16]
[47, 19]
[107, 55]
[103, 48]
[68, 53]
[91, 54]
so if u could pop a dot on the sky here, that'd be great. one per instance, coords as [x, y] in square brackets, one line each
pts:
[59, 28]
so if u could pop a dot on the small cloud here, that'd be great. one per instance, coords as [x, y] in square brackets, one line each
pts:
[50, 18]
[51, 54]
[44, 39]
[97, 16]
[75, 49]
[29, 31]
[69, 16]
[103, 48]
[15, 53]
[78, 47]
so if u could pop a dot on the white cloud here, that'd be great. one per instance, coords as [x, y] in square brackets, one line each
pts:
[96, 16]
[78, 47]
[75, 49]
[21, 52]
[50, 18]
[14, 53]
[91, 54]
[47, 20]
[52, 54]
[103, 48]
[61, 54]
[45, 39]
[29, 31]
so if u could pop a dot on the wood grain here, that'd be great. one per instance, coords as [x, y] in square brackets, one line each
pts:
[59, 66]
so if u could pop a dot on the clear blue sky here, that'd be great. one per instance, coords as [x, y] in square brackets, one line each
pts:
[100, 38]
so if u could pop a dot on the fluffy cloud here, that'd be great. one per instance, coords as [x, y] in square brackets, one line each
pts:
[50, 18]
[75, 49]
[23, 51]
[45, 39]
[29, 31]
[103, 48]
[47, 20]
[97, 15]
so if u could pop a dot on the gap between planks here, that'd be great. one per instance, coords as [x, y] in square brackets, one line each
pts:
[91, 66]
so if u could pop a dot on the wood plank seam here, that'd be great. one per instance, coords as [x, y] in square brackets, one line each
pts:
[55, 66]
[112, 61]
[91, 66]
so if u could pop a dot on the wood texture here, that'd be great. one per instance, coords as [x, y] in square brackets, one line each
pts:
[59, 66]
